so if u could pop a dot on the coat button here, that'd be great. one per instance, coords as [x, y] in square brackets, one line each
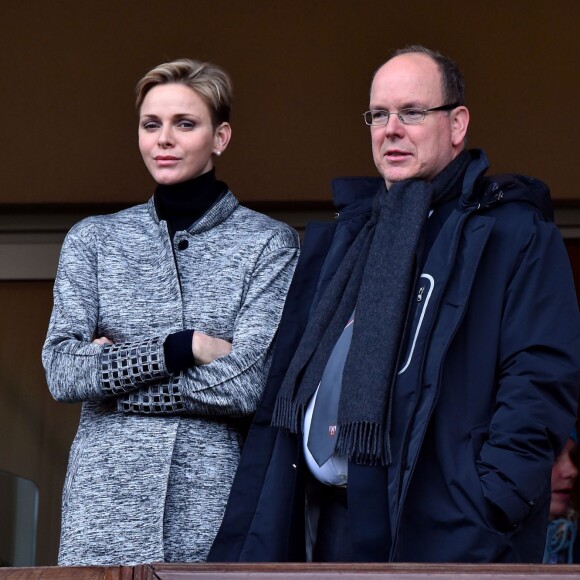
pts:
[182, 245]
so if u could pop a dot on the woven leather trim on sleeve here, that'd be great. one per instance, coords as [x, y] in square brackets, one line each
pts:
[153, 399]
[125, 367]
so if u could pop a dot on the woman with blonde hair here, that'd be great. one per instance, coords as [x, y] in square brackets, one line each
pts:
[164, 316]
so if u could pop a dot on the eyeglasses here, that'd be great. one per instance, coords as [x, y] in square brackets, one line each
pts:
[407, 116]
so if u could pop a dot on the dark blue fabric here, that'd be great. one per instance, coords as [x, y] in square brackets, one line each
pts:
[368, 503]
[482, 467]
[476, 437]
[271, 473]
[333, 543]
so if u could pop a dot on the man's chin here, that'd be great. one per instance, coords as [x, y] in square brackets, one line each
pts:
[395, 174]
[397, 179]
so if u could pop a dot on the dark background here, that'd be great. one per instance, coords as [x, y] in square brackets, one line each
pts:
[301, 73]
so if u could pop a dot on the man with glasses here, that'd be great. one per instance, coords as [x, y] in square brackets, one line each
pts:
[427, 367]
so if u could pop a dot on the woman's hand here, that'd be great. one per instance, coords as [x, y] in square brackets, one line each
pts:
[206, 348]
[102, 340]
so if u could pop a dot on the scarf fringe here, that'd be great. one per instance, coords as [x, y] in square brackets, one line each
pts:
[364, 442]
[287, 414]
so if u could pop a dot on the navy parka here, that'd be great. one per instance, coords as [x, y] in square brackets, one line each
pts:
[485, 397]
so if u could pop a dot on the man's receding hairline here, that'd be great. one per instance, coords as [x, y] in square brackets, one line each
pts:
[428, 57]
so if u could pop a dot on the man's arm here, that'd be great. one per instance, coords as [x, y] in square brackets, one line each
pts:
[538, 377]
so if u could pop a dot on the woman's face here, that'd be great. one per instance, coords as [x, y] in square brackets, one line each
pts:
[176, 136]
[564, 473]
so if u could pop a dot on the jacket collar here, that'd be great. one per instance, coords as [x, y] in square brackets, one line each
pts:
[481, 192]
[354, 195]
[219, 212]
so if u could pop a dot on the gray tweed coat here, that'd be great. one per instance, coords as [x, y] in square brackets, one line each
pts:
[152, 462]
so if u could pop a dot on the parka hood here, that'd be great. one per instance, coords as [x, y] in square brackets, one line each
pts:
[478, 190]
[486, 191]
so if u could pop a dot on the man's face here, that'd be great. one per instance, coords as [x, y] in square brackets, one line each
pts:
[419, 151]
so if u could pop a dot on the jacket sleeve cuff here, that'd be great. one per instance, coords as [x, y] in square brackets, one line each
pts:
[499, 493]
[178, 352]
[156, 399]
[127, 366]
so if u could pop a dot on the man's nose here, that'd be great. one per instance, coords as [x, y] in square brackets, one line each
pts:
[394, 126]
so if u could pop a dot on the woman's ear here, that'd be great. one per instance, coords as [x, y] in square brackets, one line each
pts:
[222, 137]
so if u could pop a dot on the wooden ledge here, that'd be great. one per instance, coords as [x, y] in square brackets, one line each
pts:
[283, 571]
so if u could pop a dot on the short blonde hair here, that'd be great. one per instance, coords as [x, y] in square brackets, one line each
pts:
[209, 81]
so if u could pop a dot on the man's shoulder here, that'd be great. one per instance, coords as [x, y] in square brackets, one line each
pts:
[509, 194]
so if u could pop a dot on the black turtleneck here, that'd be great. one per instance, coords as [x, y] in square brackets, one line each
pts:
[181, 205]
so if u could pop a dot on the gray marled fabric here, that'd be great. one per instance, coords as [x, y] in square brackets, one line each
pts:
[154, 456]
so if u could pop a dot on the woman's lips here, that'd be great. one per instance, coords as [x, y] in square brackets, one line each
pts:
[166, 160]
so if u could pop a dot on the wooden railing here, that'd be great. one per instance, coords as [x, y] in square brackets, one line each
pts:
[297, 571]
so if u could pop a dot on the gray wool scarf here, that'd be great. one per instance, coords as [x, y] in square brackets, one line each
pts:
[376, 277]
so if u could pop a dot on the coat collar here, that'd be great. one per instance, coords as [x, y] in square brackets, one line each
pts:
[219, 212]
[481, 192]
